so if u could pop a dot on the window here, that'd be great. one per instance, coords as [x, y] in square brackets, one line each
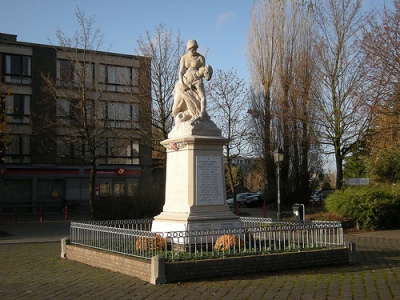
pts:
[62, 111]
[17, 69]
[105, 189]
[70, 74]
[18, 149]
[64, 147]
[50, 189]
[118, 78]
[70, 112]
[66, 72]
[79, 148]
[122, 115]
[18, 190]
[71, 149]
[120, 151]
[86, 76]
[119, 189]
[62, 108]
[118, 75]
[18, 108]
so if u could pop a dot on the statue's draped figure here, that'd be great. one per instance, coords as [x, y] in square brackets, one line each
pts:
[189, 94]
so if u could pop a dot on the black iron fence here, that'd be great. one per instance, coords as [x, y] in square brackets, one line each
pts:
[257, 236]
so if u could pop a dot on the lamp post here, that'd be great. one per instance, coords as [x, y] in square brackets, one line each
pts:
[278, 158]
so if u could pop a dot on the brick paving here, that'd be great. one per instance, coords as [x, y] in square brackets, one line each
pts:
[34, 270]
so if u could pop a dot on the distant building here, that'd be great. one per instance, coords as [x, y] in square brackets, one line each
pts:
[246, 164]
[38, 173]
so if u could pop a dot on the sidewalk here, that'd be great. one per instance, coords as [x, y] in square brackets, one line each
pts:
[29, 229]
[11, 233]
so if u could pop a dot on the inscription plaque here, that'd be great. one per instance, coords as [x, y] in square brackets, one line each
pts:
[209, 188]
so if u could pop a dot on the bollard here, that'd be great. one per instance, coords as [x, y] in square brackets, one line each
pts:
[66, 212]
[41, 214]
[64, 243]
[236, 208]
[352, 252]
[15, 215]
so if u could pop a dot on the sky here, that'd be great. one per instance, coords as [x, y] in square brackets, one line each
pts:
[219, 26]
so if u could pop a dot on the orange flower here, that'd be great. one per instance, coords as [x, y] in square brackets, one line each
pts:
[149, 244]
[228, 241]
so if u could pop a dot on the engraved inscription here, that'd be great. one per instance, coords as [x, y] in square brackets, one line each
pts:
[213, 226]
[209, 189]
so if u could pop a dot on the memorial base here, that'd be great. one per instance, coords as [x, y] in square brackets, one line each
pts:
[190, 229]
[195, 196]
[166, 222]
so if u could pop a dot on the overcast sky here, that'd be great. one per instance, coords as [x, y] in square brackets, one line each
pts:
[219, 26]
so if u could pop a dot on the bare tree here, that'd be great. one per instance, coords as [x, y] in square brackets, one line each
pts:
[74, 105]
[340, 115]
[228, 99]
[90, 125]
[165, 50]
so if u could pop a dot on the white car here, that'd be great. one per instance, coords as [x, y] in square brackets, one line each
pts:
[240, 198]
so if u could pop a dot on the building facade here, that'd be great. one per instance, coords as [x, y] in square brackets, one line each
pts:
[246, 164]
[46, 157]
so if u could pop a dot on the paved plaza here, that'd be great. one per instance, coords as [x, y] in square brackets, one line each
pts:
[31, 268]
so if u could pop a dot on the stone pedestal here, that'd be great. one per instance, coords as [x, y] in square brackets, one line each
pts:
[195, 196]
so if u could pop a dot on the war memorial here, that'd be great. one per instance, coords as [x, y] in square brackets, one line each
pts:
[196, 235]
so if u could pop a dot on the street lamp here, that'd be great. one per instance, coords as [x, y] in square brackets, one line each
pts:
[278, 158]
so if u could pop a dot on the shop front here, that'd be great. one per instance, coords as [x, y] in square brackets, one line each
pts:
[30, 189]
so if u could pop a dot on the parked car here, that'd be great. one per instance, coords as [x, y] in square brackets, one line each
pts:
[255, 200]
[240, 198]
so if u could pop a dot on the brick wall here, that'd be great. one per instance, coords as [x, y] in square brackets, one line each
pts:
[190, 270]
[181, 271]
[110, 261]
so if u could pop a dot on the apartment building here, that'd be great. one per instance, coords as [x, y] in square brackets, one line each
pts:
[46, 159]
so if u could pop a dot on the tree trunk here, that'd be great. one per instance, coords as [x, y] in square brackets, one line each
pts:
[339, 169]
[232, 184]
[92, 187]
